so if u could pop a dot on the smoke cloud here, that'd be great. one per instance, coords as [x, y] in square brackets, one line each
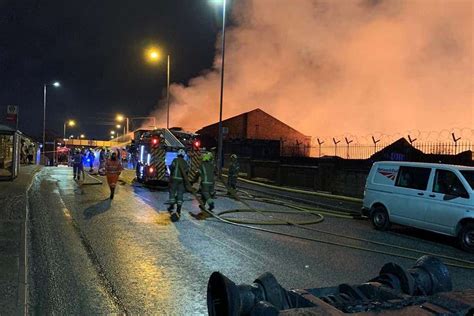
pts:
[341, 67]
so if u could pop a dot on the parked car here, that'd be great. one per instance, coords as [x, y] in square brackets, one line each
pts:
[433, 197]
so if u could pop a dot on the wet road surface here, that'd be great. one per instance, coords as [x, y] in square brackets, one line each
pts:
[91, 255]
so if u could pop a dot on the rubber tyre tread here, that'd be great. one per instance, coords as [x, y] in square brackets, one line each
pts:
[466, 228]
[377, 210]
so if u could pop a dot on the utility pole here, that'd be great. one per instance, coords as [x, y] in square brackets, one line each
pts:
[220, 158]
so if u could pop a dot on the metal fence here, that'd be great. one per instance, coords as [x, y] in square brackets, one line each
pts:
[360, 151]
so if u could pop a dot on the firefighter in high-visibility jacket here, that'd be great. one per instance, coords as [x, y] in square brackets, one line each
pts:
[178, 176]
[206, 173]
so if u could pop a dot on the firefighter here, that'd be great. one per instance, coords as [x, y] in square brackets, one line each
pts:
[77, 164]
[113, 168]
[206, 173]
[102, 162]
[90, 160]
[232, 174]
[178, 174]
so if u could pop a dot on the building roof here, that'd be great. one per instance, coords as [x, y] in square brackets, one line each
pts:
[4, 128]
[255, 110]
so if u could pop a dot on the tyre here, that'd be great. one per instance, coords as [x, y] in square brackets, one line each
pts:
[466, 237]
[379, 217]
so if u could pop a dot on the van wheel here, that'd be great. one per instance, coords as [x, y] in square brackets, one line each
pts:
[379, 218]
[466, 238]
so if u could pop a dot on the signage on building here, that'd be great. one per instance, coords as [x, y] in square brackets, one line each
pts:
[12, 113]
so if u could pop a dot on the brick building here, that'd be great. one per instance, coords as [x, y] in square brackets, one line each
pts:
[259, 125]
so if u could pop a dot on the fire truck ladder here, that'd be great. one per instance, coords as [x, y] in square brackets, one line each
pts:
[171, 140]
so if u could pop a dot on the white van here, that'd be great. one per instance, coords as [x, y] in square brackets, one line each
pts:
[434, 197]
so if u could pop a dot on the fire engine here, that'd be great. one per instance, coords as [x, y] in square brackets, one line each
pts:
[156, 149]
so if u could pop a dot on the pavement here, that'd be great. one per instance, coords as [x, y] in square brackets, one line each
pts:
[90, 255]
[13, 211]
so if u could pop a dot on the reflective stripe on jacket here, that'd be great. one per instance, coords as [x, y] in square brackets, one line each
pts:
[113, 167]
[176, 170]
[206, 171]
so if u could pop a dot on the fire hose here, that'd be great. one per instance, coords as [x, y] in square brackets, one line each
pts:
[298, 209]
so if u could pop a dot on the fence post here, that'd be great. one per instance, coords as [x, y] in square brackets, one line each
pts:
[335, 146]
[375, 143]
[320, 143]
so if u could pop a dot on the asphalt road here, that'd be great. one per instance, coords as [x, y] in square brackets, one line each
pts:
[90, 255]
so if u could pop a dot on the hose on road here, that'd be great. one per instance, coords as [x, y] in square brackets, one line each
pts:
[299, 209]
[313, 193]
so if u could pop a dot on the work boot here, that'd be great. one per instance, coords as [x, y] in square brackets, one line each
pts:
[170, 208]
[211, 207]
[174, 216]
[178, 209]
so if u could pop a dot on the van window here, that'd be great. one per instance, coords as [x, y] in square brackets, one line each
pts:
[469, 176]
[413, 178]
[446, 182]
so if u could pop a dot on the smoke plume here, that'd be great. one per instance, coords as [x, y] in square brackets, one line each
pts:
[340, 67]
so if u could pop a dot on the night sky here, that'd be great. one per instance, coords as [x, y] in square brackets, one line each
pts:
[95, 49]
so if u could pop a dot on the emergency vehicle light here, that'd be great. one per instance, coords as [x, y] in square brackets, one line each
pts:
[148, 158]
[197, 143]
[141, 152]
[154, 141]
[150, 170]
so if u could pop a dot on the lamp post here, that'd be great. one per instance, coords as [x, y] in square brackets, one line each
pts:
[220, 158]
[70, 123]
[153, 56]
[120, 126]
[121, 118]
[168, 94]
[55, 84]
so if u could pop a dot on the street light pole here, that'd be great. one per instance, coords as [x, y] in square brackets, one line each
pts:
[56, 84]
[44, 119]
[220, 158]
[168, 94]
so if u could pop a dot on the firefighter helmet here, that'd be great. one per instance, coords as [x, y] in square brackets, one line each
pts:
[233, 156]
[181, 152]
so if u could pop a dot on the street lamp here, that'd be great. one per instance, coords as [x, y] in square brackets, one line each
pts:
[112, 132]
[153, 56]
[70, 123]
[83, 136]
[54, 84]
[121, 118]
[220, 140]
[120, 126]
